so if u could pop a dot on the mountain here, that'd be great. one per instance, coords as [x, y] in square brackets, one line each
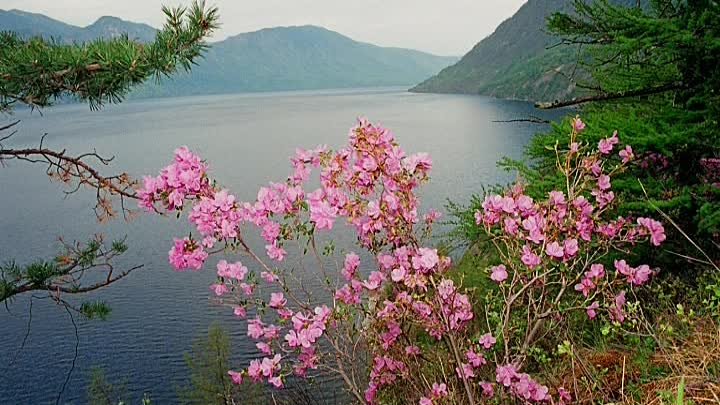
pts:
[271, 59]
[516, 61]
[304, 57]
[28, 25]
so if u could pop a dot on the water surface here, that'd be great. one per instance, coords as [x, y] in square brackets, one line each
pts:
[247, 139]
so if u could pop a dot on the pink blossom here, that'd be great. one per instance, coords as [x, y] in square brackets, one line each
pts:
[487, 389]
[240, 312]
[187, 254]
[236, 377]
[554, 249]
[505, 374]
[529, 258]
[604, 182]
[627, 154]
[439, 390]
[275, 252]
[487, 340]
[617, 314]
[476, 360]
[655, 228]
[269, 277]
[499, 274]
[374, 281]
[605, 146]
[427, 259]
[578, 125]
[591, 310]
[570, 247]
[277, 300]
[586, 286]
[219, 289]
[412, 350]
[465, 371]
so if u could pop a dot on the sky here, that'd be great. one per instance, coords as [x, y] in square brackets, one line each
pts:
[443, 27]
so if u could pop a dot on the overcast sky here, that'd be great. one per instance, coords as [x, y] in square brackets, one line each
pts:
[446, 27]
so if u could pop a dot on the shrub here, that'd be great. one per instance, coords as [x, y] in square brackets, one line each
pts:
[416, 325]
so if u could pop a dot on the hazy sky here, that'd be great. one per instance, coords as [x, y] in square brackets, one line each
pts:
[446, 27]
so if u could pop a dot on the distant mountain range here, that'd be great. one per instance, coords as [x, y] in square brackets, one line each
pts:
[272, 59]
[516, 61]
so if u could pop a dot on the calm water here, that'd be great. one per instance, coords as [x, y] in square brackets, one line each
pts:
[247, 139]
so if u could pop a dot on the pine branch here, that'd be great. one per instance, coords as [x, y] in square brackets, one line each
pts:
[37, 71]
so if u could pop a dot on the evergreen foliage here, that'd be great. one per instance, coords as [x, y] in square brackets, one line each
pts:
[37, 71]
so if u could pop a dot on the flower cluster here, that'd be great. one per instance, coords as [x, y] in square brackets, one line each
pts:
[562, 242]
[370, 186]
[185, 177]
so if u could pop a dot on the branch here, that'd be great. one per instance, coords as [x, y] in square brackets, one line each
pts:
[610, 96]
[532, 119]
[68, 168]
[74, 290]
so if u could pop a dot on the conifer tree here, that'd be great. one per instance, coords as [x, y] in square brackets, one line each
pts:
[36, 72]
[654, 70]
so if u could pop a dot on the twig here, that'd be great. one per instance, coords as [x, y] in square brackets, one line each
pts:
[72, 366]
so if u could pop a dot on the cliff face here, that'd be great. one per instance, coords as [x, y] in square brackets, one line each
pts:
[516, 61]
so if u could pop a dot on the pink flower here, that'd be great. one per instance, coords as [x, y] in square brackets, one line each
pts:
[269, 277]
[476, 360]
[505, 374]
[570, 247]
[564, 395]
[554, 249]
[431, 216]
[487, 340]
[439, 390]
[627, 154]
[276, 381]
[412, 350]
[597, 271]
[236, 377]
[322, 213]
[275, 252]
[277, 300]
[591, 310]
[617, 314]
[499, 274]
[557, 198]
[529, 258]
[219, 289]
[586, 286]
[604, 182]
[605, 146]
[487, 389]
[263, 347]
[427, 259]
[655, 228]
[635, 276]
[465, 371]
[240, 312]
[374, 281]
[578, 125]
[425, 401]
[187, 254]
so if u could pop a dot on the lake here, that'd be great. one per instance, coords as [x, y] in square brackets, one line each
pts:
[247, 139]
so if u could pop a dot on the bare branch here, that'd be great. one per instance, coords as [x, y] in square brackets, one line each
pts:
[610, 96]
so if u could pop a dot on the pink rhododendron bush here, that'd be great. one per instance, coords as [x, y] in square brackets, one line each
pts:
[395, 326]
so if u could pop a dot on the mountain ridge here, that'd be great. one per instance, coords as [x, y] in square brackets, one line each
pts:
[517, 61]
[306, 57]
